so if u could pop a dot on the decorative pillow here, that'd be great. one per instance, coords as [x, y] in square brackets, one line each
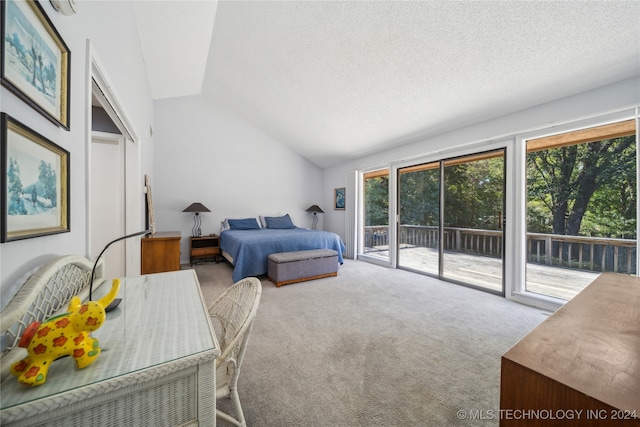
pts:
[279, 221]
[262, 219]
[243, 224]
[224, 225]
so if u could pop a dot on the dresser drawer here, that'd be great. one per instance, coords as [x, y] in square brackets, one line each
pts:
[205, 251]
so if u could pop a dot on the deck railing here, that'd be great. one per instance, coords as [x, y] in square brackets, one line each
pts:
[585, 253]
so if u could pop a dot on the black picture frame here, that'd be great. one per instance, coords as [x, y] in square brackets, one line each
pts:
[35, 63]
[339, 198]
[35, 197]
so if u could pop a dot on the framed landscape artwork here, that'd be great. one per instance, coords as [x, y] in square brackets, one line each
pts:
[338, 196]
[35, 183]
[35, 60]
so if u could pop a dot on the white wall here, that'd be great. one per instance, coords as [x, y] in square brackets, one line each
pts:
[111, 28]
[621, 95]
[206, 154]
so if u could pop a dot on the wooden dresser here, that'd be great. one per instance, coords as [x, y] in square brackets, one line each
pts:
[581, 366]
[160, 252]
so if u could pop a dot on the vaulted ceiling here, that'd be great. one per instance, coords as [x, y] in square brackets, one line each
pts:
[337, 80]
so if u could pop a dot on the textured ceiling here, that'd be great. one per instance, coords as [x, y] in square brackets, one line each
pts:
[340, 79]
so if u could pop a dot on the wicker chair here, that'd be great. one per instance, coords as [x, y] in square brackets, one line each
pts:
[232, 315]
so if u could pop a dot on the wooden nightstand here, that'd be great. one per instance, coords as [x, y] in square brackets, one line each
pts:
[204, 247]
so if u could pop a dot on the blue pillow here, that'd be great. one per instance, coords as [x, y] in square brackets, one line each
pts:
[243, 224]
[279, 221]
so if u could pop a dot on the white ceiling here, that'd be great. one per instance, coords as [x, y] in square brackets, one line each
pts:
[175, 37]
[340, 79]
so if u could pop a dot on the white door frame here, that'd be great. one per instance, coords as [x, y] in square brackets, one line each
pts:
[107, 181]
[98, 85]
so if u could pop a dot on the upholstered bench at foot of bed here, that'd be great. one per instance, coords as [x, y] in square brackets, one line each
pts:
[299, 266]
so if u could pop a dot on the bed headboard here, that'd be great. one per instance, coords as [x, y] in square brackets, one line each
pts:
[45, 293]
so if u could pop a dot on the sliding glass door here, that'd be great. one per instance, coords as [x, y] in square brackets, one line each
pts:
[573, 211]
[376, 215]
[419, 226]
[472, 220]
[451, 219]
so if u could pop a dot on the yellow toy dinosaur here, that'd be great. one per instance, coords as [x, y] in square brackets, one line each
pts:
[65, 335]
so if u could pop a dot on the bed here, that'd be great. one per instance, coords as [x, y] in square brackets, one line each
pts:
[247, 249]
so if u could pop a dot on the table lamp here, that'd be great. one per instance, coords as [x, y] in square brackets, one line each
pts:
[95, 264]
[196, 208]
[315, 209]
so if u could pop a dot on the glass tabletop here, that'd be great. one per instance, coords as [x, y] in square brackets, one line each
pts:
[162, 318]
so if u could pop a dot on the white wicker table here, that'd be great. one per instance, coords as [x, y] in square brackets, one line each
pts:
[157, 366]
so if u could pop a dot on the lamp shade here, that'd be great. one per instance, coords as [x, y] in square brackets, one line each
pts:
[315, 208]
[196, 207]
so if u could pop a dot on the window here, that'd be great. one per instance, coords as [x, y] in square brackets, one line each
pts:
[538, 225]
[376, 214]
[581, 207]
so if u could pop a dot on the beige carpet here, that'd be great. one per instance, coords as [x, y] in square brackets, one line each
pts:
[374, 347]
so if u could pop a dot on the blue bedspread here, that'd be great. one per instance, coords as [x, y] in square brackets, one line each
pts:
[250, 248]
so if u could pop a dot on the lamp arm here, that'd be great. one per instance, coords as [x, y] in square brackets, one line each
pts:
[93, 270]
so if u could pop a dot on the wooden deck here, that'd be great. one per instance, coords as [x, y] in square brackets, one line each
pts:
[486, 272]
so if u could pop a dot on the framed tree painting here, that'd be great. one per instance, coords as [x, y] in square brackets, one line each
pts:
[338, 196]
[35, 60]
[35, 183]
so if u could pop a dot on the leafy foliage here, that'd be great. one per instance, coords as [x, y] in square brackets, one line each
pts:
[586, 189]
[419, 197]
[376, 193]
[47, 179]
[16, 204]
[474, 194]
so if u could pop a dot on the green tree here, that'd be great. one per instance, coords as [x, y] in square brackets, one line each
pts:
[15, 188]
[474, 194]
[420, 197]
[376, 201]
[50, 76]
[568, 180]
[47, 178]
[585, 189]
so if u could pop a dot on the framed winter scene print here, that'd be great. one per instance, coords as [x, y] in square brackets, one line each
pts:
[35, 60]
[35, 183]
